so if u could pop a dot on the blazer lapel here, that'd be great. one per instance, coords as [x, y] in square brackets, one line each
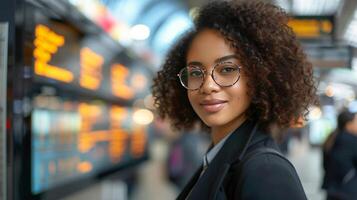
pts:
[208, 184]
[187, 189]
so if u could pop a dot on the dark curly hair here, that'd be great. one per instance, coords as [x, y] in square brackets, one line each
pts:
[280, 79]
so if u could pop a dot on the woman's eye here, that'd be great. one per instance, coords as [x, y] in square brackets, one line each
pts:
[228, 69]
[196, 73]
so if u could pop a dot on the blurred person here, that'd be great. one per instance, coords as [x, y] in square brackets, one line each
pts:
[340, 159]
[241, 71]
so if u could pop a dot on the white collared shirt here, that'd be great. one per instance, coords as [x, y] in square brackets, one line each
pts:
[213, 152]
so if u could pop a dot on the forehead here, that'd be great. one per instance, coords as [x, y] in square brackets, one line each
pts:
[207, 46]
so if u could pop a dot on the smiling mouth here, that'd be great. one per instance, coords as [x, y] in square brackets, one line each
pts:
[213, 106]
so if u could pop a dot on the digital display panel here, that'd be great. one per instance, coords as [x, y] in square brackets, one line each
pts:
[87, 125]
[64, 55]
[71, 139]
[312, 27]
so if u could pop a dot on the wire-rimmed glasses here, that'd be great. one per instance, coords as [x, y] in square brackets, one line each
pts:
[224, 74]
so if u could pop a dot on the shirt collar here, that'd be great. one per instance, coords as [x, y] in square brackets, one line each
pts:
[213, 152]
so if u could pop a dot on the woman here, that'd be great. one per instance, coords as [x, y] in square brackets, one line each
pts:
[340, 159]
[239, 72]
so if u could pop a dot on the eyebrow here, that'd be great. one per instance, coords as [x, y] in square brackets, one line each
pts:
[218, 60]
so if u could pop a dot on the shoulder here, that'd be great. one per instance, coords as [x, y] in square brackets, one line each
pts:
[270, 176]
[346, 139]
[267, 162]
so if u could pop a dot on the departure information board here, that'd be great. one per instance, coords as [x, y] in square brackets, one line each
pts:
[82, 91]
[66, 56]
[71, 139]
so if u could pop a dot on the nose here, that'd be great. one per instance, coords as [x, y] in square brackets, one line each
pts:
[209, 85]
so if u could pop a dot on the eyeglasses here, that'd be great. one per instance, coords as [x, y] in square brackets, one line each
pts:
[224, 74]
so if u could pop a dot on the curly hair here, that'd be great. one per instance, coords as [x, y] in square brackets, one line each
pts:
[280, 78]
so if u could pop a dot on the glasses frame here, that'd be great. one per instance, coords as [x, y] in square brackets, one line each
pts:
[211, 74]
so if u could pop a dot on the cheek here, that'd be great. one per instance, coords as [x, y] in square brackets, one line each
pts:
[191, 98]
[244, 100]
[245, 90]
[240, 93]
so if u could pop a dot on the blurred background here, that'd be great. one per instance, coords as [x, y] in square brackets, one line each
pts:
[76, 114]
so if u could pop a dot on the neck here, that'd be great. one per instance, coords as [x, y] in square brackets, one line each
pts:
[351, 131]
[219, 132]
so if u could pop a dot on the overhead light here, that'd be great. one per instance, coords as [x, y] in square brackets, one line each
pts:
[139, 32]
[315, 7]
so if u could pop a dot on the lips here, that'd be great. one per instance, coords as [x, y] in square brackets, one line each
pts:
[213, 105]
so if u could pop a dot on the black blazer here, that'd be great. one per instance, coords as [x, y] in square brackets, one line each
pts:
[265, 177]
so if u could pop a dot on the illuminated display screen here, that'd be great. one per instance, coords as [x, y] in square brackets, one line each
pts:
[70, 139]
[311, 27]
[89, 127]
[62, 54]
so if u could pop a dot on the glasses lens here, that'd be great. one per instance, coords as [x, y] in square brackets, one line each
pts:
[191, 77]
[226, 74]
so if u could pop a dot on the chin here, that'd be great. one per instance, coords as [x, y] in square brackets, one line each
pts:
[220, 120]
[213, 122]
